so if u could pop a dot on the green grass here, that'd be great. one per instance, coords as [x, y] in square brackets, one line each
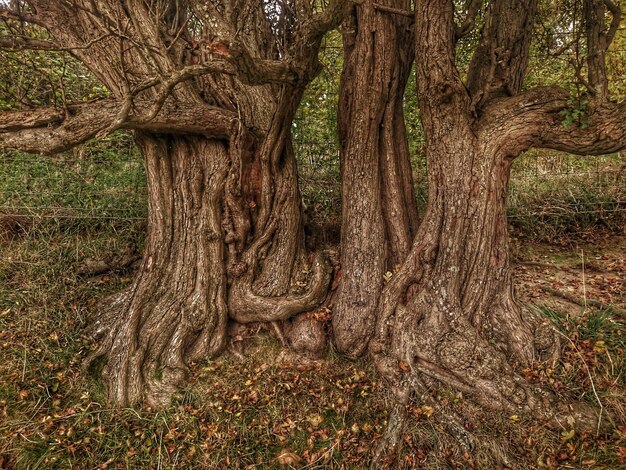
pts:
[236, 414]
[554, 195]
[102, 180]
[232, 414]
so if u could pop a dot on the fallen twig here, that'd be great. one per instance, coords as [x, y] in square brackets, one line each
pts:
[584, 303]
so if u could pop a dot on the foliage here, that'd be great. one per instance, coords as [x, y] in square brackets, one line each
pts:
[34, 77]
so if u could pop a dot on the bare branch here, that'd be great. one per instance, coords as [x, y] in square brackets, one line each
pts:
[329, 18]
[8, 14]
[20, 43]
[38, 117]
[394, 11]
[535, 119]
[616, 14]
[52, 130]
[466, 27]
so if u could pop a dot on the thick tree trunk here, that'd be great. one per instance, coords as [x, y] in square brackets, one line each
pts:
[175, 312]
[225, 235]
[379, 212]
[450, 313]
[196, 274]
[271, 277]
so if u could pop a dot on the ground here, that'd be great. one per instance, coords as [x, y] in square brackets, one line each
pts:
[274, 410]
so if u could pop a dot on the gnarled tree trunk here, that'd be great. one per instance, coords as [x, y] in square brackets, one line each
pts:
[176, 310]
[449, 315]
[379, 211]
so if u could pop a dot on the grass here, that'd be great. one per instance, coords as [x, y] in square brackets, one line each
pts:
[252, 414]
[554, 196]
[265, 412]
[102, 180]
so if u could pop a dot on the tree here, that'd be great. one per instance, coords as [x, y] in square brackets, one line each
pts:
[209, 89]
[379, 211]
[449, 316]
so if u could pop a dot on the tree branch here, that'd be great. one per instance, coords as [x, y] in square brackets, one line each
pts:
[51, 130]
[597, 45]
[498, 66]
[466, 27]
[394, 11]
[535, 119]
[8, 14]
[20, 43]
[616, 14]
[328, 19]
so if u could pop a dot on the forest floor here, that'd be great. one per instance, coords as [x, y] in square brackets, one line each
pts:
[273, 410]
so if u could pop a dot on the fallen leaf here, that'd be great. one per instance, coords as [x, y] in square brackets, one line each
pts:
[288, 458]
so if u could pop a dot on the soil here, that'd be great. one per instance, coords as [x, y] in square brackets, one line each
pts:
[592, 270]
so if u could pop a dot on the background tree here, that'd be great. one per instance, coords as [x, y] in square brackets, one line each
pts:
[210, 90]
[449, 315]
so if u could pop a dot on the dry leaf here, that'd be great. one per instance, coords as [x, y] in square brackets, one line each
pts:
[288, 458]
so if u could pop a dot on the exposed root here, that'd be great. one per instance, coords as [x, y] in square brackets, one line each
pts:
[386, 447]
[306, 335]
[147, 335]
[430, 341]
[246, 306]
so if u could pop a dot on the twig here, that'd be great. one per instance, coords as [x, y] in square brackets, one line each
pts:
[593, 385]
[584, 302]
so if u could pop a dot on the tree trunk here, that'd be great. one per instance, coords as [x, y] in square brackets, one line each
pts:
[453, 314]
[379, 212]
[175, 312]
[195, 273]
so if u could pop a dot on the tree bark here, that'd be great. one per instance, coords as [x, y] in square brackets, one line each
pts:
[176, 311]
[449, 315]
[213, 101]
[379, 211]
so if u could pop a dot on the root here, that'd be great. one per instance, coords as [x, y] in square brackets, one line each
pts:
[387, 447]
[247, 307]
[145, 346]
[433, 343]
[584, 302]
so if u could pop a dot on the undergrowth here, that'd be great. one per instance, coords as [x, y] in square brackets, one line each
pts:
[269, 411]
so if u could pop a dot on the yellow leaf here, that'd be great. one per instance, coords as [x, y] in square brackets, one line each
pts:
[288, 458]
[315, 420]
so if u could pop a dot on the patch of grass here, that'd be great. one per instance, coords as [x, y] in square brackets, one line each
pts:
[102, 180]
[251, 414]
[555, 197]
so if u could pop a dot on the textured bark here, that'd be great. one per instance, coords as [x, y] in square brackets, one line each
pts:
[379, 212]
[449, 315]
[53, 130]
[175, 311]
[212, 102]
[499, 64]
